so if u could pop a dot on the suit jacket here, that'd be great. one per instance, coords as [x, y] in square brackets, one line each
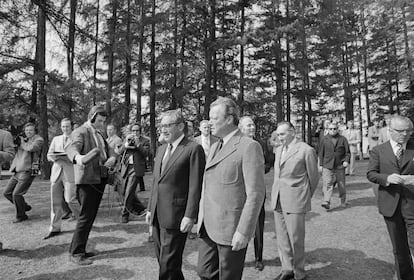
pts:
[213, 140]
[61, 164]
[233, 189]
[330, 156]
[82, 143]
[139, 155]
[382, 163]
[6, 146]
[296, 178]
[383, 135]
[26, 152]
[176, 191]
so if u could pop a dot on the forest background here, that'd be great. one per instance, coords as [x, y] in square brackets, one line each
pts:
[296, 60]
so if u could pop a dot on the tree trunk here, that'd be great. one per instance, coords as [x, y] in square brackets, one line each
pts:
[140, 60]
[209, 53]
[364, 56]
[152, 81]
[95, 58]
[175, 74]
[389, 78]
[287, 66]
[241, 81]
[407, 51]
[111, 49]
[128, 65]
[71, 50]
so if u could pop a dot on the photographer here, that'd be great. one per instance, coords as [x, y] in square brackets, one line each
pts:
[25, 167]
[134, 151]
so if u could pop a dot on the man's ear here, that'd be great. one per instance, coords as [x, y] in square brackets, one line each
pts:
[181, 126]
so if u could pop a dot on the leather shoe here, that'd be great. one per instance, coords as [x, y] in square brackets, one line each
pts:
[80, 260]
[90, 254]
[21, 219]
[259, 265]
[52, 234]
[28, 208]
[124, 219]
[285, 275]
[326, 205]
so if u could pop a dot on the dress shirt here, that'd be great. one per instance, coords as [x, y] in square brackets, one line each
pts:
[174, 145]
[395, 146]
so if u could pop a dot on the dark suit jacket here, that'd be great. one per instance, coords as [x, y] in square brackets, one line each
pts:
[176, 192]
[331, 156]
[382, 163]
[139, 155]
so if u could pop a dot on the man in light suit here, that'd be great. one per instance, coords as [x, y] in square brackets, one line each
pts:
[113, 140]
[373, 134]
[205, 139]
[391, 166]
[92, 157]
[354, 139]
[175, 194]
[384, 133]
[232, 196]
[25, 167]
[62, 179]
[295, 181]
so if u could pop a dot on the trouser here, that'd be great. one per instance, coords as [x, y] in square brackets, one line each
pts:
[218, 262]
[290, 235]
[258, 235]
[17, 186]
[90, 197]
[351, 167]
[61, 191]
[401, 231]
[330, 177]
[131, 203]
[169, 247]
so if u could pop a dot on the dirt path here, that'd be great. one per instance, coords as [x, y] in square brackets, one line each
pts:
[349, 243]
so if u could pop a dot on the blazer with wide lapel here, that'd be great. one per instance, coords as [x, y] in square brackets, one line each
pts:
[233, 189]
[296, 178]
[176, 191]
[60, 166]
[383, 163]
[23, 159]
[332, 156]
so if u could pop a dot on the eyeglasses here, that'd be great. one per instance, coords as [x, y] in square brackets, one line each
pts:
[401, 131]
[168, 125]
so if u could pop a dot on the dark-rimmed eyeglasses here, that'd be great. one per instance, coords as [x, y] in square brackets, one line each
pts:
[167, 125]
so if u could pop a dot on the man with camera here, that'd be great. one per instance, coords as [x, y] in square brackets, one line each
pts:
[134, 152]
[92, 157]
[25, 167]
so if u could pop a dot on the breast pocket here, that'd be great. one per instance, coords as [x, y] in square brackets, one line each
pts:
[230, 173]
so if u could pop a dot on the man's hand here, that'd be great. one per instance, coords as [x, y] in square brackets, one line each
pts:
[395, 179]
[345, 164]
[110, 162]
[186, 224]
[239, 241]
[148, 217]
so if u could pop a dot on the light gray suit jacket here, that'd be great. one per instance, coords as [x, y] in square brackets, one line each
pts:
[233, 189]
[296, 178]
[61, 164]
[26, 152]
[6, 146]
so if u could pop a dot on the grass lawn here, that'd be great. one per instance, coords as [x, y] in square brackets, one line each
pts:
[342, 244]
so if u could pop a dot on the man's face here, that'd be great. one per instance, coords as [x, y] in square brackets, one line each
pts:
[400, 131]
[248, 128]
[333, 129]
[285, 134]
[99, 122]
[170, 129]
[350, 124]
[66, 127]
[205, 129]
[136, 130]
[219, 122]
[110, 130]
[29, 131]
[190, 129]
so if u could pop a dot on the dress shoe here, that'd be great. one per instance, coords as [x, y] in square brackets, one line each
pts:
[90, 254]
[124, 219]
[80, 260]
[326, 205]
[1, 246]
[285, 275]
[21, 219]
[52, 234]
[28, 208]
[66, 216]
[259, 265]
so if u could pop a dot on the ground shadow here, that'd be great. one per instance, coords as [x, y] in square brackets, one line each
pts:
[86, 273]
[266, 262]
[128, 228]
[358, 202]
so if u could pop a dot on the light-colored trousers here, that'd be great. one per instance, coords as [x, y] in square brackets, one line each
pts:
[351, 167]
[290, 236]
[59, 189]
[331, 177]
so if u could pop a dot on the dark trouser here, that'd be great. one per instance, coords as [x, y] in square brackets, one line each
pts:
[169, 248]
[401, 230]
[131, 203]
[218, 262]
[90, 197]
[258, 236]
[141, 183]
[17, 186]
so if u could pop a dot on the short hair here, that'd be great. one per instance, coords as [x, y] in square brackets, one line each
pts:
[333, 123]
[177, 115]
[97, 110]
[230, 107]
[135, 124]
[288, 124]
[66, 120]
[29, 124]
[401, 118]
[203, 122]
[242, 119]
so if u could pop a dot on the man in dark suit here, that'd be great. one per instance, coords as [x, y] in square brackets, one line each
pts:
[232, 196]
[175, 194]
[92, 157]
[334, 156]
[391, 166]
[134, 152]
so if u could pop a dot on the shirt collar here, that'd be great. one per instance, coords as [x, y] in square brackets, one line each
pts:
[228, 136]
[176, 142]
[394, 145]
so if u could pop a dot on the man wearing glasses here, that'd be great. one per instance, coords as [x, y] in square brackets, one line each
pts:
[175, 194]
[391, 166]
[334, 157]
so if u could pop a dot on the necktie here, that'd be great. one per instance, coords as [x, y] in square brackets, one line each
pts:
[219, 146]
[65, 140]
[283, 155]
[166, 157]
[399, 154]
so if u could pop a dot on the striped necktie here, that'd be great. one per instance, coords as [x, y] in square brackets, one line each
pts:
[399, 154]
[166, 157]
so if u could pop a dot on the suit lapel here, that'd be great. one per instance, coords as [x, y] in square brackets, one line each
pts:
[292, 150]
[174, 156]
[408, 154]
[389, 154]
[225, 151]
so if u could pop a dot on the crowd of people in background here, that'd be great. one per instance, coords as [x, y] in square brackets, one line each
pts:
[211, 186]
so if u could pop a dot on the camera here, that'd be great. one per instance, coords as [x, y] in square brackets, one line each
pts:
[131, 141]
[35, 168]
[18, 139]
